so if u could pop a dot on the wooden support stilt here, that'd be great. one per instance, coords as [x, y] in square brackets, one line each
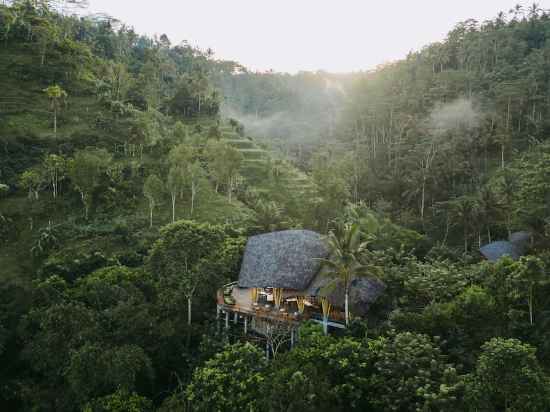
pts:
[226, 320]
[325, 326]
[245, 324]
[235, 318]
[267, 349]
[291, 338]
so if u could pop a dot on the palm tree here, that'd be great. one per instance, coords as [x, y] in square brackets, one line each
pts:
[344, 262]
[56, 95]
[269, 215]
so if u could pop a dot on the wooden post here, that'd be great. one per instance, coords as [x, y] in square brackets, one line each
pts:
[235, 318]
[267, 349]
[245, 324]
[226, 320]
[291, 338]
[325, 325]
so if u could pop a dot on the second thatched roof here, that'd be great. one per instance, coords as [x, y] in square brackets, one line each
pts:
[514, 248]
[363, 292]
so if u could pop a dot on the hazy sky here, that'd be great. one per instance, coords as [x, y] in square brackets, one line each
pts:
[293, 35]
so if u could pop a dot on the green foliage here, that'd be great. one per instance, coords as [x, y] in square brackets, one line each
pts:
[443, 151]
[508, 377]
[120, 401]
[412, 374]
[184, 258]
[322, 373]
[228, 382]
[86, 169]
[153, 189]
[31, 181]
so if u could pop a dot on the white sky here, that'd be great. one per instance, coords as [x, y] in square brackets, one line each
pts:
[293, 35]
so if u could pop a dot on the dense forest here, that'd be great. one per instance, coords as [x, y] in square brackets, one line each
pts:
[132, 172]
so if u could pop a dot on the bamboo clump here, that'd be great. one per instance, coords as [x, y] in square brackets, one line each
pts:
[327, 307]
[254, 295]
[278, 297]
[301, 301]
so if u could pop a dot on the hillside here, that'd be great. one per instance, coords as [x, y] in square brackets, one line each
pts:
[134, 171]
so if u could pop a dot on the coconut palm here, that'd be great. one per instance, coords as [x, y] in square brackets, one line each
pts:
[57, 96]
[344, 264]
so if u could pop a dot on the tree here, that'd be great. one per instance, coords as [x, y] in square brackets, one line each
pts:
[175, 182]
[528, 275]
[507, 377]
[464, 211]
[184, 255]
[153, 189]
[232, 162]
[55, 167]
[215, 151]
[94, 370]
[224, 163]
[57, 97]
[344, 264]
[31, 180]
[120, 401]
[332, 187]
[427, 157]
[186, 171]
[228, 382]
[410, 373]
[46, 34]
[193, 176]
[321, 373]
[269, 215]
[85, 171]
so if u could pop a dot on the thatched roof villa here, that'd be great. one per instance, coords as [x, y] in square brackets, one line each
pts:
[281, 280]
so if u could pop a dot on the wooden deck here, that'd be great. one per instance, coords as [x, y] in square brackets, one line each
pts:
[245, 309]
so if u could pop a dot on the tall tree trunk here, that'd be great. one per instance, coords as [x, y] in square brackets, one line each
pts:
[530, 302]
[423, 199]
[150, 217]
[193, 193]
[83, 197]
[189, 311]
[346, 307]
[55, 123]
[173, 194]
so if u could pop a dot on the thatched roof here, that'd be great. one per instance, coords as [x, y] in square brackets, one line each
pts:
[363, 292]
[495, 250]
[521, 240]
[515, 247]
[286, 259]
